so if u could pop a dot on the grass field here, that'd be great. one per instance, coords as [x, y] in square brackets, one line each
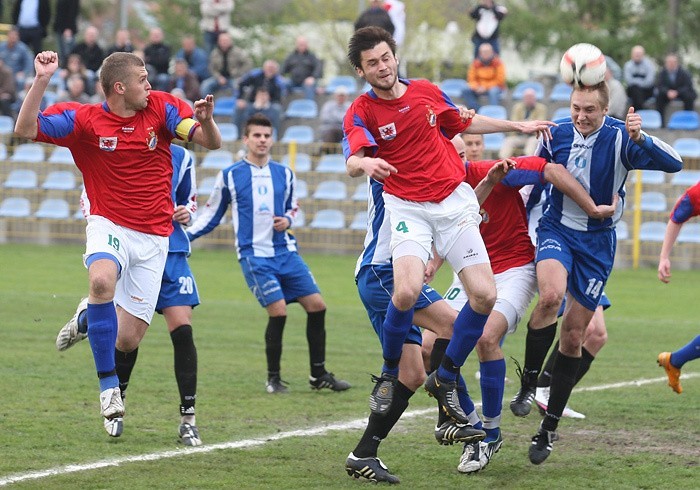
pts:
[635, 436]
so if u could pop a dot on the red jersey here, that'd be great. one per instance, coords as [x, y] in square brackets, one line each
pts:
[687, 206]
[413, 134]
[125, 162]
[504, 225]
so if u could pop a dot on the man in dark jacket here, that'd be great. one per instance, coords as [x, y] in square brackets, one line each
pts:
[375, 15]
[32, 19]
[303, 68]
[674, 83]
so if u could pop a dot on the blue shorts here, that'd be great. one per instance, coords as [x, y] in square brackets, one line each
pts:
[178, 287]
[284, 276]
[586, 255]
[375, 283]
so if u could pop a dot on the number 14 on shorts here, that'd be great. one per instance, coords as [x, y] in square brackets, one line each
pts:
[595, 286]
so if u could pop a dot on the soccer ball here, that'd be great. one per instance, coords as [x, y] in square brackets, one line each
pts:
[583, 65]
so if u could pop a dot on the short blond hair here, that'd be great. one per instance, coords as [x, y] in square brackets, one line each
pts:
[115, 68]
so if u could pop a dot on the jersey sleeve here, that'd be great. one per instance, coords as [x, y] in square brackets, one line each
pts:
[213, 211]
[687, 206]
[448, 115]
[527, 171]
[57, 124]
[179, 118]
[356, 134]
[186, 190]
[291, 204]
[652, 154]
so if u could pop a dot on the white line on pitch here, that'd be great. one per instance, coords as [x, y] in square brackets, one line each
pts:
[246, 443]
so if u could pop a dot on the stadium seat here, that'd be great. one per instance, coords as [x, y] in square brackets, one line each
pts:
[335, 190]
[302, 108]
[62, 180]
[686, 178]
[61, 154]
[3, 151]
[653, 201]
[28, 152]
[302, 162]
[622, 230]
[206, 185]
[332, 164]
[302, 189]
[522, 86]
[650, 177]
[561, 92]
[300, 219]
[359, 221]
[53, 209]
[652, 231]
[78, 215]
[361, 192]
[493, 141]
[651, 118]
[687, 120]
[7, 125]
[561, 113]
[687, 147]
[301, 133]
[229, 132]
[330, 219]
[21, 179]
[218, 159]
[225, 106]
[454, 87]
[15, 207]
[494, 111]
[690, 233]
[346, 81]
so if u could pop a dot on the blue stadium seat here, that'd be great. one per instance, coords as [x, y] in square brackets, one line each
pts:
[302, 189]
[686, 178]
[651, 118]
[687, 120]
[28, 152]
[78, 215]
[21, 179]
[653, 201]
[53, 209]
[493, 141]
[690, 233]
[346, 81]
[622, 230]
[454, 87]
[494, 111]
[218, 159]
[330, 219]
[206, 185]
[301, 133]
[7, 125]
[229, 132]
[359, 221]
[3, 151]
[522, 86]
[61, 154]
[62, 180]
[302, 162]
[334, 190]
[15, 207]
[302, 108]
[300, 219]
[652, 231]
[333, 164]
[225, 106]
[561, 113]
[561, 92]
[687, 147]
[651, 177]
[361, 192]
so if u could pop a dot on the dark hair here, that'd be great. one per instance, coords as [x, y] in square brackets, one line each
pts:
[367, 38]
[602, 90]
[115, 68]
[257, 119]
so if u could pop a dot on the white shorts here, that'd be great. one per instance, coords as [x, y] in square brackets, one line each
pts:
[515, 289]
[142, 258]
[453, 222]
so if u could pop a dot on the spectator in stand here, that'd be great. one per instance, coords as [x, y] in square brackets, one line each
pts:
[227, 63]
[185, 79]
[397, 14]
[267, 77]
[375, 15]
[8, 89]
[65, 25]
[89, 50]
[261, 105]
[674, 83]
[180, 94]
[122, 43]
[216, 18]
[197, 59]
[528, 109]
[32, 19]
[486, 77]
[75, 66]
[303, 68]
[158, 55]
[18, 57]
[617, 106]
[331, 116]
[488, 17]
[76, 91]
[640, 76]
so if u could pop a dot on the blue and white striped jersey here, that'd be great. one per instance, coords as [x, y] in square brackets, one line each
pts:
[600, 162]
[377, 249]
[256, 195]
[184, 193]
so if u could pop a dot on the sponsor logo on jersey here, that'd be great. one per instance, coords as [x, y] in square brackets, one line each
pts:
[432, 118]
[108, 143]
[470, 253]
[388, 132]
[582, 145]
[152, 140]
[405, 109]
[128, 129]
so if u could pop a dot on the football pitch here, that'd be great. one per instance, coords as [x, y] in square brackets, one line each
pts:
[637, 432]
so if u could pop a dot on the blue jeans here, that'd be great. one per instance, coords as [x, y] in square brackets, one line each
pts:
[471, 98]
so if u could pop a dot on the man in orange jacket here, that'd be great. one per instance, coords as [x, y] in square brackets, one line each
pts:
[486, 76]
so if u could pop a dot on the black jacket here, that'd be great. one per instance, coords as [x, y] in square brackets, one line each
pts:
[44, 14]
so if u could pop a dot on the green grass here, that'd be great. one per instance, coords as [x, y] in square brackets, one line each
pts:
[633, 437]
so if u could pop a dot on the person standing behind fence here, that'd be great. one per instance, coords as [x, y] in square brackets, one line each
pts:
[32, 19]
[216, 18]
[488, 17]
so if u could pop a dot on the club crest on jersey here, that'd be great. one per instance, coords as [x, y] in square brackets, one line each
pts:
[152, 139]
[432, 118]
[108, 143]
[388, 131]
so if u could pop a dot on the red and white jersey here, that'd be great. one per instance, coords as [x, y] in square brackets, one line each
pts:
[504, 225]
[126, 162]
[413, 134]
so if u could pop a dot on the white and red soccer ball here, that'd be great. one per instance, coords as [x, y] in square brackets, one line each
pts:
[583, 65]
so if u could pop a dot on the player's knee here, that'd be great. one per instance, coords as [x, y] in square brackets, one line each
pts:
[404, 298]
[102, 287]
[412, 378]
[550, 299]
[482, 301]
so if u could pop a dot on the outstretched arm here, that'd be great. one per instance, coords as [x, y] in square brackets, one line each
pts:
[568, 185]
[484, 124]
[496, 174]
[45, 65]
[672, 231]
[377, 168]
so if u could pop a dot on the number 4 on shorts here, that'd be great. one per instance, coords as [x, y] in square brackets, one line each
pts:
[402, 227]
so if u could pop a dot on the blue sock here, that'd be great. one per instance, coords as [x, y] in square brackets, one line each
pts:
[465, 400]
[468, 327]
[102, 328]
[493, 375]
[394, 330]
[686, 353]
